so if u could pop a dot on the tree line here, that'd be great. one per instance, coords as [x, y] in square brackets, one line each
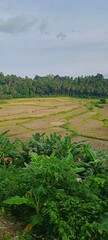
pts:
[12, 86]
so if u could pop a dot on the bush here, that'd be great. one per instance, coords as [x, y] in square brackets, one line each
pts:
[60, 192]
[103, 101]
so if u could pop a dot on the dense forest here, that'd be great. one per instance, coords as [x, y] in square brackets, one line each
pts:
[12, 86]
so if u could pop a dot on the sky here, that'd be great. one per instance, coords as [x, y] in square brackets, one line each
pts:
[65, 37]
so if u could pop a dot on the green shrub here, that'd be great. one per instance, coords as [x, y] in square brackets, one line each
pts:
[103, 101]
[9, 151]
[60, 191]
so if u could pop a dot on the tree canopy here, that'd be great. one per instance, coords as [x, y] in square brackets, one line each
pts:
[12, 86]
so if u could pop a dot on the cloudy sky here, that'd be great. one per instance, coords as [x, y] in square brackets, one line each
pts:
[65, 37]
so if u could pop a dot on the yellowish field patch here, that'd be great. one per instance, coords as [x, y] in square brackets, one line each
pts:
[97, 144]
[93, 128]
[104, 111]
[24, 117]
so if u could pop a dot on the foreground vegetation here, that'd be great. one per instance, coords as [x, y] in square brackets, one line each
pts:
[56, 188]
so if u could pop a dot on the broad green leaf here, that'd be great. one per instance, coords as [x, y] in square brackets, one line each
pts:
[78, 170]
[16, 200]
[103, 226]
[69, 158]
[35, 219]
[90, 153]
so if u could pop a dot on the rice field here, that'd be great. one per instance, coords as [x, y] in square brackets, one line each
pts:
[81, 118]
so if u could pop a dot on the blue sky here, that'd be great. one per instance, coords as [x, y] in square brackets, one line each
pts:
[65, 37]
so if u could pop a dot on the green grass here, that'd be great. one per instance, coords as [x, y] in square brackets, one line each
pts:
[3, 102]
[105, 121]
[96, 116]
[70, 129]
[31, 119]
[76, 115]
[64, 112]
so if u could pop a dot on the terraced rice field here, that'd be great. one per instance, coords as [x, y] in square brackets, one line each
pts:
[81, 118]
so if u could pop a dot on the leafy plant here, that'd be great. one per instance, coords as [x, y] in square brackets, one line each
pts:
[103, 226]
[59, 190]
[8, 150]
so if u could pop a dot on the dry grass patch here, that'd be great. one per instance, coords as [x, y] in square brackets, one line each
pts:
[46, 122]
[25, 117]
[81, 119]
[27, 135]
[14, 130]
[104, 111]
[96, 144]
[93, 128]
